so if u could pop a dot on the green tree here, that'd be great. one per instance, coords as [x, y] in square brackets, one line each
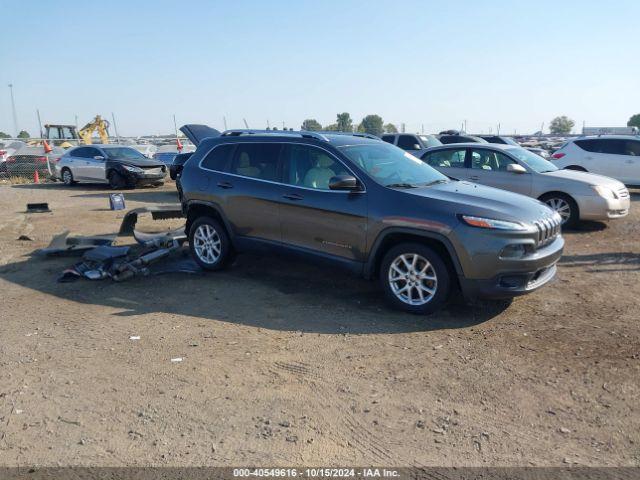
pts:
[344, 122]
[634, 121]
[372, 124]
[331, 128]
[24, 134]
[390, 128]
[4, 135]
[311, 125]
[561, 125]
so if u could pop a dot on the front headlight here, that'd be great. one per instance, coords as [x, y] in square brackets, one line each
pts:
[605, 192]
[132, 169]
[492, 223]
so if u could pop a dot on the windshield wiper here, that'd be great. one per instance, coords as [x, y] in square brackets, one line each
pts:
[401, 185]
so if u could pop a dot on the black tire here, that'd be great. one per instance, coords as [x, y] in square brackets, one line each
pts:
[116, 180]
[555, 198]
[179, 188]
[67, 176]
[437, 269]
[225, 256]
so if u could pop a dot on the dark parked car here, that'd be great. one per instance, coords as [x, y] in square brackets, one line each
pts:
[26, 160]
[500, 139]
[447, 139]
[363, 204]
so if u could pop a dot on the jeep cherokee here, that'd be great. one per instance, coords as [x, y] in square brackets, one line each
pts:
[359, 202]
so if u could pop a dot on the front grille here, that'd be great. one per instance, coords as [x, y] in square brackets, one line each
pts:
[547, 231]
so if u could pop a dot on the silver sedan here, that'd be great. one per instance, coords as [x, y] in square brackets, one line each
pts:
[574, 195]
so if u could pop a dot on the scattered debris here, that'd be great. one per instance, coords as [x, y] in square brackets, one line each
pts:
[116, 201]
[63, 245]
[25, 238]
[564, 430]
[158, 212]
[38, 208]
[176, 360]
[134, 337]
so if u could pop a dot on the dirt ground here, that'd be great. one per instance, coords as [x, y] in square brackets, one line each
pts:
[287, 363]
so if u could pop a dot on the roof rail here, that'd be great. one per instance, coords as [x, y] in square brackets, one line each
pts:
[322, 135]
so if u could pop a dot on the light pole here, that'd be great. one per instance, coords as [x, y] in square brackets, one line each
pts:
[13, 110]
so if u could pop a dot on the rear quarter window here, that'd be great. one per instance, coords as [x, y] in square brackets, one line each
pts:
[218, 158]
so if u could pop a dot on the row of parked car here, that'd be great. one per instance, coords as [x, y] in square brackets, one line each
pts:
[423, 224]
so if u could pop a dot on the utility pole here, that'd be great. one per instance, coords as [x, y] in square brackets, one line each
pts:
[175, 125]
[13, 110]
[115, 128]
[498, 131]
[224, 120]
[40, 123]
[246, 125]
[422, 129]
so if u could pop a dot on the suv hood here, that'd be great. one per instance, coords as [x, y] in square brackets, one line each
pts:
[586, 178]
[474, 199]
[197, 133]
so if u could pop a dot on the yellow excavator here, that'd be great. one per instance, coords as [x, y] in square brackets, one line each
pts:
[66, 135]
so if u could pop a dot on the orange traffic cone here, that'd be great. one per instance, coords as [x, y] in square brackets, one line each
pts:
[178, 144]
[47, 147]
[36, 176]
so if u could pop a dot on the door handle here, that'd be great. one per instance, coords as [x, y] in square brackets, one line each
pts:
[293, 196]
[225, 185]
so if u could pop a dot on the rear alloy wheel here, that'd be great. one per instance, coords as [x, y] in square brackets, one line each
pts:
[564, 205]
[67, 177]
[209, 244]
[415, 278]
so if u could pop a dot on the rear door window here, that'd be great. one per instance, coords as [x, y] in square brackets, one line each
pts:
[408, 142]
[388, 138]
[82, 152]
[446, 158]
[217, 159]
[257, 160]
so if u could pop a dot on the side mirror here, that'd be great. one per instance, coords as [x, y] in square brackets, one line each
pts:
[515, 168]
[98, 157]
[416, 146]
[343, 182]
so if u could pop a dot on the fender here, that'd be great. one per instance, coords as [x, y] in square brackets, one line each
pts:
[369, 265]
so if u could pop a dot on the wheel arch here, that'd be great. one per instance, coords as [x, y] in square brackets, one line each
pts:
[579, 168]
[197, 209]
[393, 236]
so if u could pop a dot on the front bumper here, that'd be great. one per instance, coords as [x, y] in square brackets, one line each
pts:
[516, 277]
[144, 178]
[598, 208]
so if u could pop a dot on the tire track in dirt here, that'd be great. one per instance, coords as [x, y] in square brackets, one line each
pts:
[346, 427]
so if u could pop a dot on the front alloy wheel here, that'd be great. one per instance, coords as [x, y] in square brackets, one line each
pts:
[564, 205]
[415, 278]
[412, 279]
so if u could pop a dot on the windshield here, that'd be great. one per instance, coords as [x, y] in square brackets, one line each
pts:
[511, 141]
[392, 166]
[123, 153]
[534, 162]
[430, 141]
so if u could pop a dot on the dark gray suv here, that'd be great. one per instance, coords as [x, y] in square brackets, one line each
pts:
[358, 202]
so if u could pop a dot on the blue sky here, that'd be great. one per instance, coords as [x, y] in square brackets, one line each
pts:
[419, 62]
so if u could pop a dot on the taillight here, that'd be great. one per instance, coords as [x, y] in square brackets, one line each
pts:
[2, 153]
[558, 156]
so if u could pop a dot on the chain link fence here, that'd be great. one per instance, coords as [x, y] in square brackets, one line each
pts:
[24, 163]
